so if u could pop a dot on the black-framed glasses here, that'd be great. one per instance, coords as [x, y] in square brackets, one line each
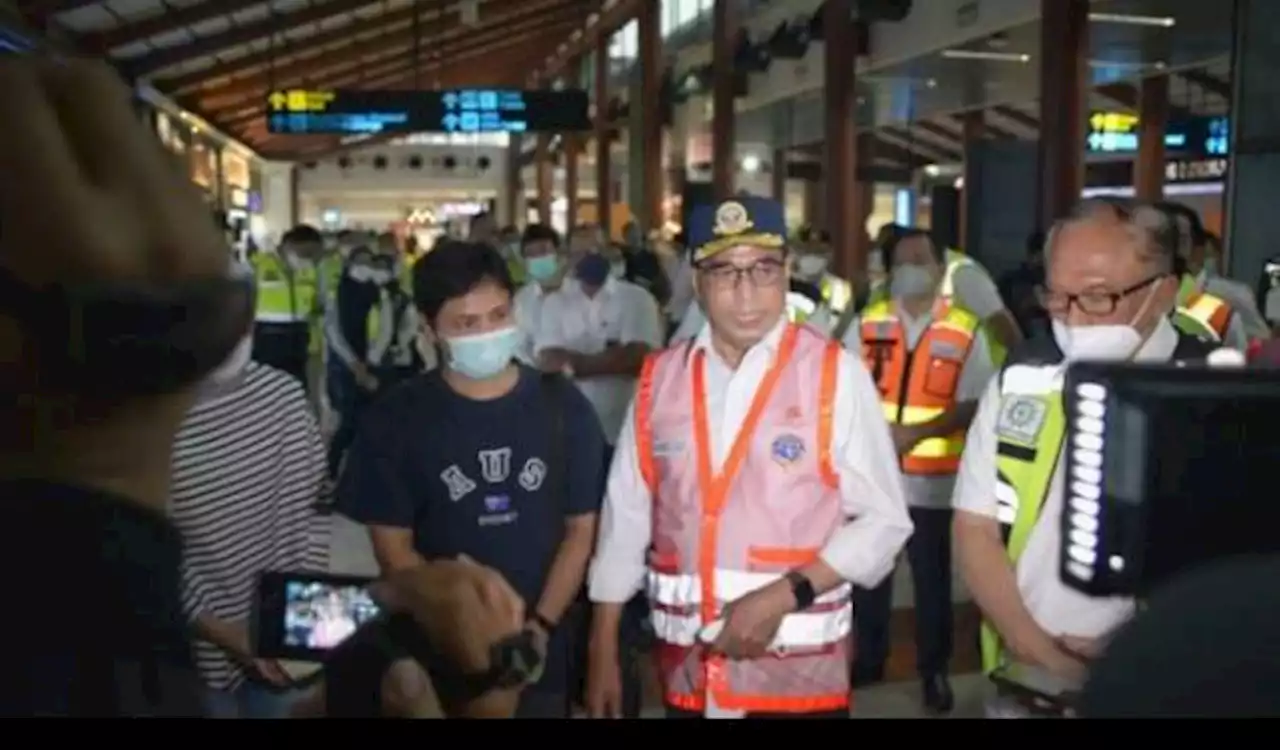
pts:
[1098, 303]
[766, 272]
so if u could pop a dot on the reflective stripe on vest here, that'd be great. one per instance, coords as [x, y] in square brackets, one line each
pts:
[1203, 315]
[1029, 432]
[836, 293]
[676, 598]
[919, 385]
[697, 574]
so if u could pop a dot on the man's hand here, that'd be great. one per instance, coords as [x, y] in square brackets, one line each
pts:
[233, 639]
[905, 437]
[91, 197]
[554, 359]
[464, 607]
[364, 377]
[751, 623]
[604, 681]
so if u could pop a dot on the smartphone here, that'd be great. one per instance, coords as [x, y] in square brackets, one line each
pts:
[303, 616]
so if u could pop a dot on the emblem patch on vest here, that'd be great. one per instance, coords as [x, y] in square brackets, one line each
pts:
[787, 449]
[1021, 419]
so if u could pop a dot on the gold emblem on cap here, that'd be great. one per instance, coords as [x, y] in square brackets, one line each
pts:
[731, 218]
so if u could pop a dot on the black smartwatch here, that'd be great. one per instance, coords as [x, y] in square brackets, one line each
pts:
[801, 589]
[515, 662]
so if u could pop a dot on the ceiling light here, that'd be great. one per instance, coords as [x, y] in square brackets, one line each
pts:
[751, 163]
[1162, 21]
[972, 54]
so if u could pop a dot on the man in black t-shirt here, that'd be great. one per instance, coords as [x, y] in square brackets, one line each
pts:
[465, 460]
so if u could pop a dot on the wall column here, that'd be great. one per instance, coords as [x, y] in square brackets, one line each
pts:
[1153, 118]
[1064, 49]
[724, 163]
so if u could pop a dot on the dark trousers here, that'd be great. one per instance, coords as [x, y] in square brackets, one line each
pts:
[929, 554]
[680, 713]
[284, 346]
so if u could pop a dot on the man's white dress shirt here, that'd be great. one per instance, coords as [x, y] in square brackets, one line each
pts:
[620, 313]
[1056, 608]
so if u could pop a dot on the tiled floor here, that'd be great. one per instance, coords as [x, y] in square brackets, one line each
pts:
[898, 699]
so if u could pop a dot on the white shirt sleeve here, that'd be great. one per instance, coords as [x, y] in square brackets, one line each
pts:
[548, 332]
[975, 490]
[691, 324]
[641, 319]
[864, 550]
[622, 541]
[976, 291]
[977, 371]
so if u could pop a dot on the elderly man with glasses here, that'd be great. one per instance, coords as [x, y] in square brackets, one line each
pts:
[1110, 287]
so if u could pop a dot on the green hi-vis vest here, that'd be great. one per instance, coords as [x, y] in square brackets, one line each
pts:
[287, 295]
[515, 267]
[836, 296]
[1030, 430]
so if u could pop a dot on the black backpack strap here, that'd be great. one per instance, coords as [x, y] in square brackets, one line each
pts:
[553, 385]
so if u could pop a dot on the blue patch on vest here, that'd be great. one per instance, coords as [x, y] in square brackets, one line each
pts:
[497, 503]
[787, 449]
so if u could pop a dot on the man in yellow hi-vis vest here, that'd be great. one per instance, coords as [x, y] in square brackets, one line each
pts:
[1109, 289]
[289, 304]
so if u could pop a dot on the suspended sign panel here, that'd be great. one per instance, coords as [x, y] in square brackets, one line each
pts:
[1117, 133]
[337, 112]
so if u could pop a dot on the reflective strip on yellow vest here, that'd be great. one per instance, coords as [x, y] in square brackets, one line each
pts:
[836, 293]
[1030, 429]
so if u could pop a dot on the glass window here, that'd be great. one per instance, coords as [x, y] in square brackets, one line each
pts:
[626, 42]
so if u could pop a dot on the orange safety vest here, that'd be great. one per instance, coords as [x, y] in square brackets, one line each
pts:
[1208, 311]
[719, 535]
[918, 385]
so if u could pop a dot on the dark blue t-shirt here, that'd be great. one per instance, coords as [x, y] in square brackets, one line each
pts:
[472, 477]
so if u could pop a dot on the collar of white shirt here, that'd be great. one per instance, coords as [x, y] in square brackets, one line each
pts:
[768, 345]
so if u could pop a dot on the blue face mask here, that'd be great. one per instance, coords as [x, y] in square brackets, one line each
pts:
[483, 355]
[543, 267]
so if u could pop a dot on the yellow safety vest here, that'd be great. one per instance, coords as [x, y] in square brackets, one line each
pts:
[287, 295]
[1029, 433]
[836, 295]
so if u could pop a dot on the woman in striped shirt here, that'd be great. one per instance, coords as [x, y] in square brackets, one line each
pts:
[248, 465]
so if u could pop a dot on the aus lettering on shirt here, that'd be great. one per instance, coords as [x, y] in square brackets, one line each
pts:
[495, 468]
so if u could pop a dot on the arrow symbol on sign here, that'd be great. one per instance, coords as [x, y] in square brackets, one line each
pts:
[450, 122]
[278, 100]
[1098, 121]
[1095, 141]
[450, 100]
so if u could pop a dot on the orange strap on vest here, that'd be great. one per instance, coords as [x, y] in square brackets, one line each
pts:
[826, 414]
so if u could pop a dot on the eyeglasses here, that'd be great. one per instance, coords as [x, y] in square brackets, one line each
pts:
[728, 276]
[1090, 303]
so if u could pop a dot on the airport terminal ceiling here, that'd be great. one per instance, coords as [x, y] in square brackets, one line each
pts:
[220, 58]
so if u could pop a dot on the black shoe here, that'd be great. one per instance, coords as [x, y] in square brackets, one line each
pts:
[938, 698]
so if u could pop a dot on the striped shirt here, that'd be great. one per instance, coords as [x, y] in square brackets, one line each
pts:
[248, 466]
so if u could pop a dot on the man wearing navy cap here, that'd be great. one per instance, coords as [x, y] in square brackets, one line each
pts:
[754, 483]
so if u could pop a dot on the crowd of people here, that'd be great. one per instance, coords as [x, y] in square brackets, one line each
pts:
[544, 473]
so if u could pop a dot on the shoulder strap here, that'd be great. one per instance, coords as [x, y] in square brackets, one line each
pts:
[826, 411]
[845, 320]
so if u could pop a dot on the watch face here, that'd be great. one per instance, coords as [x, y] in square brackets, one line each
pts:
[518, 660]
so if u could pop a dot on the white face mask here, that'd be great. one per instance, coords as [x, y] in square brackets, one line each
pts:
[1111, 342]
[618, 270]
[908, 280]
[811, 266]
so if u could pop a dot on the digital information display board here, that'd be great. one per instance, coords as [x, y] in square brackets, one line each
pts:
[1117, 133]
[337, 112]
